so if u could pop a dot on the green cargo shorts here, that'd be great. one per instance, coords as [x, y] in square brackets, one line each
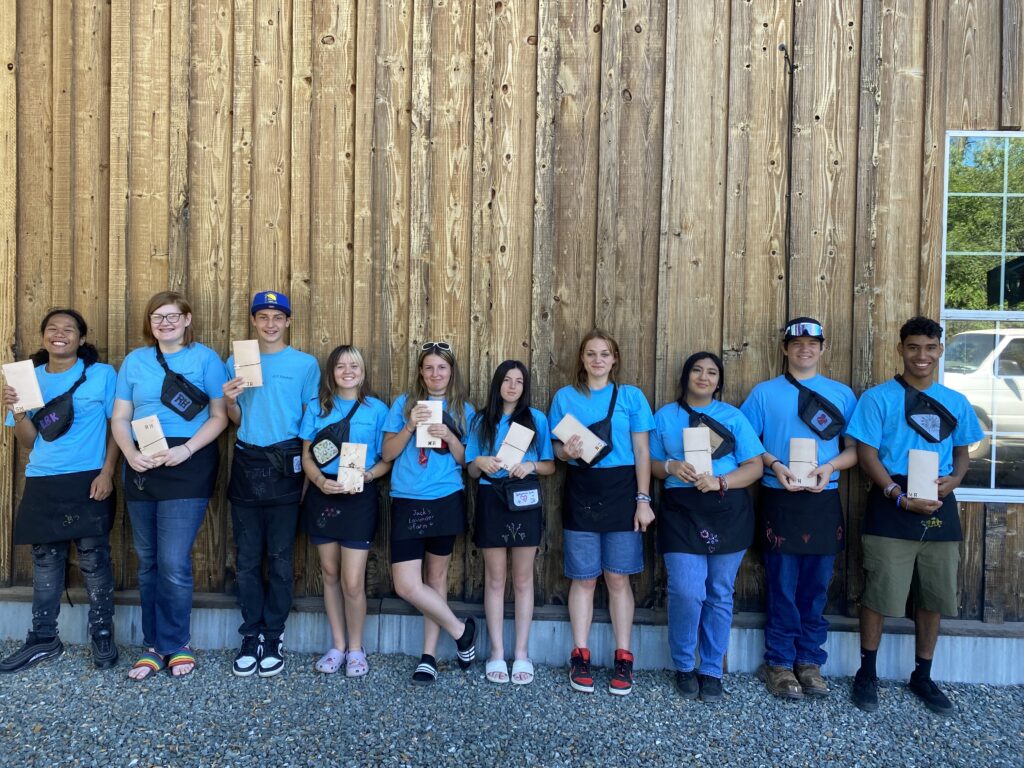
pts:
[892, 567]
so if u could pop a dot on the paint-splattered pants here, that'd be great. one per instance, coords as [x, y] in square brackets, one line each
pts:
[49, 563]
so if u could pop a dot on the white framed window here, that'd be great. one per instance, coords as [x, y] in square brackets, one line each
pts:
[983, 302]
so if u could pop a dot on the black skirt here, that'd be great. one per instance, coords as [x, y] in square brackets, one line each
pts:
[427, 518]
[58, 508]
[884, 518]
[192, 479]
[496, 525]
[341, 516]
[266, 476]
[801, 523]
[599, 500]
[705, 523]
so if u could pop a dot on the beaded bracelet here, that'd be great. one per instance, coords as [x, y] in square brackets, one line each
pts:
[901, 496]
[888, 488]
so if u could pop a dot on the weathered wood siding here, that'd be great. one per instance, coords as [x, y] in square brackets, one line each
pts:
[503, 175]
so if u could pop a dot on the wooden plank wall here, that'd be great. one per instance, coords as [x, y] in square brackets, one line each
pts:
[502, 175]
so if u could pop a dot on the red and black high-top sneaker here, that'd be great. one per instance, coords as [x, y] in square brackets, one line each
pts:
[580, 676]
[621, 683]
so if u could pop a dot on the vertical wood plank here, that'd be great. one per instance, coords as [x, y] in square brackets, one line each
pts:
[1013, 563]
[8, 257]
[972, 90]
[178, 55]
[271, 145]
[995, 586]
[933, 181]
[970, 579]
[241, 166]
[364, 296]
[62, 95]
[1011, 114]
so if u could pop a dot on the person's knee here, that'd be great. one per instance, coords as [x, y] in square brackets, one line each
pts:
[354, 585]
[617, 583]
[584, 585]
[330, 573]
[494, 580]
[176, 570]
[46, 556]
[522, 583]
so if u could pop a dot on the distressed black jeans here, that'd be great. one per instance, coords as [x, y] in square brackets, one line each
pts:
[49, 562]
[259, 531]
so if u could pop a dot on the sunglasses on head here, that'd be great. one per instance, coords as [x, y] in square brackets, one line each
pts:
[444, 346]
[805, 329]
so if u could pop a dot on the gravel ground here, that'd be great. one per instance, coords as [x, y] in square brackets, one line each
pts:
[66, 713]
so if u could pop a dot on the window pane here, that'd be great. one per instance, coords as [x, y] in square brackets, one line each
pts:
[974, 224]
[1009, 462]
[1016, 170]
[972, 282]
[975, 164]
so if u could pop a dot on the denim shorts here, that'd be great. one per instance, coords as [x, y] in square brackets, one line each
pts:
[587, 554]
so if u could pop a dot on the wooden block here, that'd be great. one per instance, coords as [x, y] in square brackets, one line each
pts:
[247, 362]
[352, 465]
[802, 449]
[21, 376]
[570, 427]
[423, 438]
[149, 435]
[922, 472]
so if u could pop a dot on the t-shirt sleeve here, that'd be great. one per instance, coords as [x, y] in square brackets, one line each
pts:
[866, 422]
[557, 411]
[473, 444]
[307, 427]
[543, 441]
[657, 444]
[470, 412]
[311, 383]
[968, 430]
[395, 421]
[747, 443]
[229, 367]
[123, 388]
[753, 411]
[640, 417]
[109, 386]
[214, 376]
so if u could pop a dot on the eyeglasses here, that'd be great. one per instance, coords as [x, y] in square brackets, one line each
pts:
[444, 346]
[805, 329]
[171, 318]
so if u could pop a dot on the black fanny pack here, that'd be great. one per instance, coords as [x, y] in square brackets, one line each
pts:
[603, 430]
[55, 418]
[179, 394]
[926, 415]
[726, 439]
[449, 422]
[326, 445]
[817, 411]
[520, 495]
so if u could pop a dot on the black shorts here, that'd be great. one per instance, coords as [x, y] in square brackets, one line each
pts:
[404, 550]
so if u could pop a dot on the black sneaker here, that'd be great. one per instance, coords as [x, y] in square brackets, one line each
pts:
[35, 650]
[248, 657]
[927, 691]
[104, 651]
[865, 692]
[686, 684]
[272, 661]
[710, 689]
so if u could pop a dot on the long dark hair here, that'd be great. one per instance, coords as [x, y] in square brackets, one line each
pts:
[684, 377]
[328, 387]
[487, 419]
[87, 353]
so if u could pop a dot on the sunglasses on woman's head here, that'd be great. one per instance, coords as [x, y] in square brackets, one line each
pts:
[444, 346]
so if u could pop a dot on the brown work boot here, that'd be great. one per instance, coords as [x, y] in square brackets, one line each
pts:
[810, 679]
[780, 682]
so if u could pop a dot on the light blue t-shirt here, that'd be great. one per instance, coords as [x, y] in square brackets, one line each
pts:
[667, 437]
[365, 426]
[84, 446]
[272, 413]
[879, 421]
[141, 378]
[632, 414]
[441, 475]
[771, 408]
[540, 448]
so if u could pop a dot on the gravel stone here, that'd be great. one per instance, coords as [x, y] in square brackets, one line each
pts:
[65, 712]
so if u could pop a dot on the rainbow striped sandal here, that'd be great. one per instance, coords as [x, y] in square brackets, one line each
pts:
[150, 660]
[180, 657]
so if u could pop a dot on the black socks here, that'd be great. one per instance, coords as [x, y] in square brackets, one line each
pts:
[867, 663]
[922, 668]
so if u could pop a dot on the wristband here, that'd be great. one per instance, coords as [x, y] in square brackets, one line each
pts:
[772, 465]
[833, 467]
[185, 446]
[723, 485]
[902, 496]
[643, 497]
[888, 489]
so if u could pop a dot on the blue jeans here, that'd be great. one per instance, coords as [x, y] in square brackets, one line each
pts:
[258, 530]
[700, 589]
[49, 562]
[588, 554]
[163, 533]
[796, 588]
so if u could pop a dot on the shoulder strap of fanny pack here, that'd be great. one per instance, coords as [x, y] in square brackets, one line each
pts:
[163, 363]
[939, 407]
[615, 397]
[351, 413]
[75, 386]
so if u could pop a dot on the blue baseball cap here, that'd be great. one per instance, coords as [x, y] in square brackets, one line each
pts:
[270, 300]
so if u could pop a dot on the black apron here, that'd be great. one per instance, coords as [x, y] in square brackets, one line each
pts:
[884, 518]
[428, 518]
[726, 440]
[497, 525]
[705, 523]
[266, 476]
[599, 500]
[801, 523]
[58, 508]
[815, 410]
[192, 479]
[602, 429]
[926, 415]
[55, 418]
[341, 516]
